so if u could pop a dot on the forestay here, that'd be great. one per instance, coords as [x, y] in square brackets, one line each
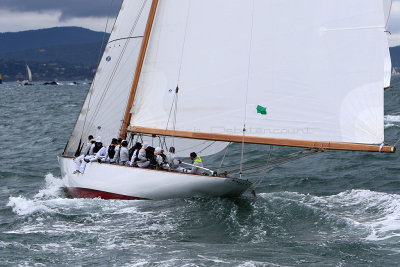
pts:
[301, 70]
[104, 107]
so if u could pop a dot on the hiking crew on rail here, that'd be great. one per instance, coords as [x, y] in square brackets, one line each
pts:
[142, 156]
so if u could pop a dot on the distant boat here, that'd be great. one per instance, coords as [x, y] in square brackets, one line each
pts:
[29, 74]
[51, 83]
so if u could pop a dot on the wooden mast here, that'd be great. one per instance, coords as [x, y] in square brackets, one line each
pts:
[143, 49]
[265, 140]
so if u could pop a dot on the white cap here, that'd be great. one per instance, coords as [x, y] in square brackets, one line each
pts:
[98, 139]
[157, 150]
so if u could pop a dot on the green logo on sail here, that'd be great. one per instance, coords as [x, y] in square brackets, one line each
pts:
[261, 110]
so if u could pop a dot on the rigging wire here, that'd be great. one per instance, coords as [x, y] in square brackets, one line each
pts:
[175, 114]
[90, 92]
[117, 64]
[184, 41]
[108, 84]
[174, 104]
[266, 168]
[286, 158]
[388, 17]
[223, 159]
[247, 89]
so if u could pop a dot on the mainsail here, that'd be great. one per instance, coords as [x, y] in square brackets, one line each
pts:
[316, 68]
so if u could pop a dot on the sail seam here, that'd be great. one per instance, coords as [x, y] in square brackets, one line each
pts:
[95, 113]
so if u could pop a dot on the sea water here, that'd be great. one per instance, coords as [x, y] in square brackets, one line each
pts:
[329, 209]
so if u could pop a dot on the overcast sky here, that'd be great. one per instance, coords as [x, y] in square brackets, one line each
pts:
[19, 15]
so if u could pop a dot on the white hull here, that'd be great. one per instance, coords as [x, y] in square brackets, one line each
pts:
[121, 182]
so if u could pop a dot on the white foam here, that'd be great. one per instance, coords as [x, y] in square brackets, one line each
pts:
[213, 259]
[388, 125]
[23, 206]
[392, 121]
[53, 188]
[392, 118]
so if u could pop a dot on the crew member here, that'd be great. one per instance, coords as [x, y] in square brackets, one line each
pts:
[88, 151]
[98, 149]
[197, 162]
[173, 162]
[117, 150]
[111, 151]
[159, 159]
[143, 161]
[135, 151]
[124, 153]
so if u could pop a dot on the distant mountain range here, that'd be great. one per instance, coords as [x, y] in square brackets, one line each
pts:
[62, 53]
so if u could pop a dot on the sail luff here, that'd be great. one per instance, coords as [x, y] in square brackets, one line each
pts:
[265, 140]
[139, 66]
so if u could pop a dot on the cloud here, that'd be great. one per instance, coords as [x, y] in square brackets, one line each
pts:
[18, 15]
[19, 21]
[68, 9]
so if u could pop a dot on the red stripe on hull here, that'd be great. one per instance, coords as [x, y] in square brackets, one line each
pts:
[77, 192]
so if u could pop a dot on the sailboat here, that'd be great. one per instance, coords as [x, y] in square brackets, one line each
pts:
[29, 74]
[201, 74]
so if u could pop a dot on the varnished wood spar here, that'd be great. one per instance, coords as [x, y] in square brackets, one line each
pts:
[389, 87]
[264, 140]
[143, 49]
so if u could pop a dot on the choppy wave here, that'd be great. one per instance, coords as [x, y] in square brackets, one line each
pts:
[373, 215]
[376, 215]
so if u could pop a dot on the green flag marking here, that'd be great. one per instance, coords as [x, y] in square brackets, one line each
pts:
[261, 110]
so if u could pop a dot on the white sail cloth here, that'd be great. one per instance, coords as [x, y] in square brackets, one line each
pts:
[105, 105]
[316, 67]
[387, 6]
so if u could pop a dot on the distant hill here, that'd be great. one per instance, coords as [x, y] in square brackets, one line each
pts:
[62, 53]
[24, 40]
[395, 54]
[87, 53]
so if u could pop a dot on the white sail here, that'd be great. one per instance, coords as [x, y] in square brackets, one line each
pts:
[388, 68]
[316, 66]
[105, 105]
[28, 70]
[387, 6]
